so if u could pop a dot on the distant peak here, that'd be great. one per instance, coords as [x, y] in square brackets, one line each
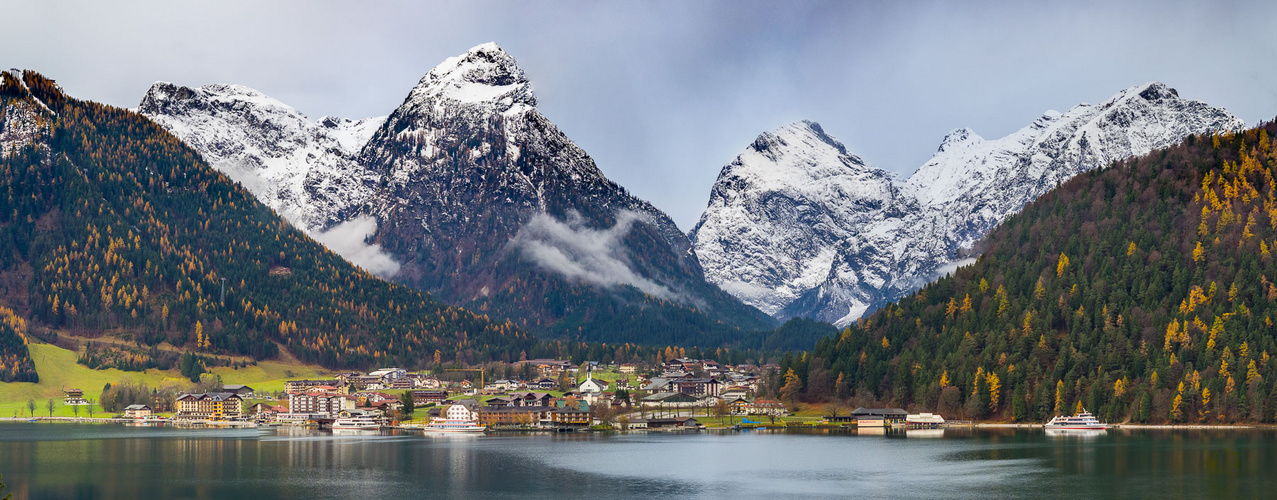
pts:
[1151, 91]
[485, 73]
[799, 128]
[489, 47]
[160, 98]
[794, 132]
[163, 91]
[800, 138]
[958, 136]
[1157, 90]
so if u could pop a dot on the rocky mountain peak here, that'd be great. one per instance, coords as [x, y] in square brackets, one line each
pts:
[800, 245]
[958, 136]
[476, 197]
[485, 75]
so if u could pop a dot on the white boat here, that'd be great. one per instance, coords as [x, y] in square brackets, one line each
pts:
[356, 424]
[456, 419]
[1082, 421]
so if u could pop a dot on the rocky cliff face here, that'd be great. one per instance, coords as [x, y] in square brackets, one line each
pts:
[486, 200]
[833, 255]
[306, 171]
[476, 195]
[789, 207]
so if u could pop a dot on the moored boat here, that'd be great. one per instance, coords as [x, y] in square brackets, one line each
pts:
[356, 424]
[1083, 420]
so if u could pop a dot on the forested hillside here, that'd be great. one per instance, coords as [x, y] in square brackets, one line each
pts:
[1143, 291]
[111, 224]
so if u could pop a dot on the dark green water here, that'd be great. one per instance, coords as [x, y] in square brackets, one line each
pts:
[108, 461]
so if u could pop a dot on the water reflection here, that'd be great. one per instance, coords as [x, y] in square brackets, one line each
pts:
[924, 433]
[1075, 433]
[102, 461]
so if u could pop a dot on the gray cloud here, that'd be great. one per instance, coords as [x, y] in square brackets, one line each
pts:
[348, 239]
[578, 252]
[664, 93]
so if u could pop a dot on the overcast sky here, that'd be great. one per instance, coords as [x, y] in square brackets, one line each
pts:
[663, 94]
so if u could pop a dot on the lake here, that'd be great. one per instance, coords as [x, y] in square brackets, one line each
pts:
[49, 460]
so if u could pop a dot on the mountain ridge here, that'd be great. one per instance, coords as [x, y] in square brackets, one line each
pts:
[1139, 292]
[968, 186]
[483, 202]
[124, 230]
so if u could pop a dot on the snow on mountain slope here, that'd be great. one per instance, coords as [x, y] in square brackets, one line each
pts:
[876, 253]
[468, 192]
[792, 203]
[306, 171]
[474, 174]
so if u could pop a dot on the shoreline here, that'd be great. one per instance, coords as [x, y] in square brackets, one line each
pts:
[974, 426]
[1138, 426]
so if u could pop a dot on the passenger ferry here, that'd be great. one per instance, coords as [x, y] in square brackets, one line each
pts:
[360, 423]
[1081, 421]
[456, 419]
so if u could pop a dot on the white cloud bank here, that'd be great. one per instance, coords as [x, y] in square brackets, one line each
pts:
[348, 239]
[592, 255]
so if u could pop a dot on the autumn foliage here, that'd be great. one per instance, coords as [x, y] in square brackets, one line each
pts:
[1143, 292]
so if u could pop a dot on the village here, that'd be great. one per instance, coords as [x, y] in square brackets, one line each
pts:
[555, 395]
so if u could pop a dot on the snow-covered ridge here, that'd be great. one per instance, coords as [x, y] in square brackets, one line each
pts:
[779, 236]
[469, 147]
[304, 170]
[782, 212]
[465, 173]
[485, 74]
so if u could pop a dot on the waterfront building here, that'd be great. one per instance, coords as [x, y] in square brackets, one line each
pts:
[766, 407]
[323, 403]
[209, 406]
[886, 416]
[137, 411]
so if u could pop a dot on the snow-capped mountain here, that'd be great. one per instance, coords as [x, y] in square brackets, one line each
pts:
[484, 198]
[306, 171]
[475, 194]
[793, 202]
[778, 237]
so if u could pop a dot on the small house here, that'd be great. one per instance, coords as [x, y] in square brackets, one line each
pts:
[73, 397]
[137, 411]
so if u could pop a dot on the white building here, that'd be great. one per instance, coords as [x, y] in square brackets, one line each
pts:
[592, 386]
[388, 374]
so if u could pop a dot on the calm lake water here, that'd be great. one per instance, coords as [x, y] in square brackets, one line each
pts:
[48, 460]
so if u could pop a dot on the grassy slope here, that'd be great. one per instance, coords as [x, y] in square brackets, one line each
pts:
[58, 369]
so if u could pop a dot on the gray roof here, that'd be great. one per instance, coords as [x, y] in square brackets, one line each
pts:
[213, 396]
[668, 396]
[878, 412]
